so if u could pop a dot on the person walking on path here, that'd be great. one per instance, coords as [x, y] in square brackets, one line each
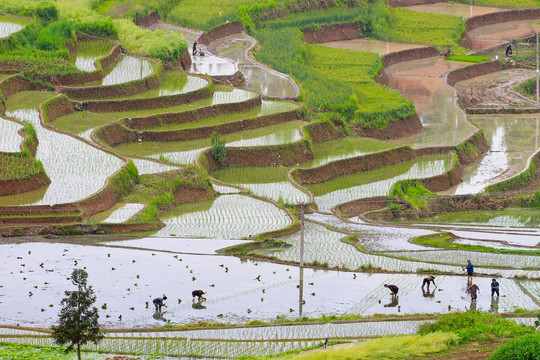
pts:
[428, 280]
[158, 303]
[494, 287]
[393, 288]
[194, 48]
[472, 290]
[198, 293]
[470, 270]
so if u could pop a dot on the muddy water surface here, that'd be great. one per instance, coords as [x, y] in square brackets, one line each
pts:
[375, 46]
[462, 10]
[237, 291]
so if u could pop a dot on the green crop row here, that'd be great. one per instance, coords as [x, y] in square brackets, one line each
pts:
[334, 79]
[18, 167]
[443, 31]
[316, 17]
[468, 58]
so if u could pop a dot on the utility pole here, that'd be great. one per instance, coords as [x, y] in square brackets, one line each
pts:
[301, 285]
[537, 80]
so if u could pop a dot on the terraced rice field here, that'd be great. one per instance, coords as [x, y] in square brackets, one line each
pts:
[119, 214]
[89, 52]
[76, 169]
[228, 216]
[127, 69]
[11, 25]
[368, 184]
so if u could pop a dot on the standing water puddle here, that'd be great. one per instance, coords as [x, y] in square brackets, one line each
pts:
[129, 68]
[76, 169]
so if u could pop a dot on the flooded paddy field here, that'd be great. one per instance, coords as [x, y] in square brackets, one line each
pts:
[496, 219]
[238, 291]
[462, 10]
[10, 25]
[90, 51]
[376, 182]
[10, 140]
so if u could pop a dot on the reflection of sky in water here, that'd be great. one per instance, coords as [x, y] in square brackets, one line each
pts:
[212, 65]
[493, 164]
[193, 83]
[8, 28]
[10, 140]
[128, 69]
[267, 83]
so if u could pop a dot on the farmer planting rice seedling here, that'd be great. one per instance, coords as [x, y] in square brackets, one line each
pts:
[315, 147]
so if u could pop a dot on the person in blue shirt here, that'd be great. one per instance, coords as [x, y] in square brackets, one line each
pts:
[470, 270]
[158, 303]
[494, 287]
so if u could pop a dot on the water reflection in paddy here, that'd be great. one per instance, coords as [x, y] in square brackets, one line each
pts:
[10, 140]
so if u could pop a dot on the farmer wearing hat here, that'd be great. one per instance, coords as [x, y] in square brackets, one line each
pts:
[472, 290]
[198, 293]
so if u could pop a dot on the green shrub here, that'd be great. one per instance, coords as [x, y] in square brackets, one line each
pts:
[122, 182]
[475, 326]
[46, 13]
[100, 28]
[55, 36]
[524, 348]
[218, 150]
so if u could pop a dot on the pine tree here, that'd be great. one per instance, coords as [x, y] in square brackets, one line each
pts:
[78, 319]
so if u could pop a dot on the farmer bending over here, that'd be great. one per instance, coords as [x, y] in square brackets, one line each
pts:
[472, 290]
[429, 279]
[158, 303]
[393, 288]
[198, 293]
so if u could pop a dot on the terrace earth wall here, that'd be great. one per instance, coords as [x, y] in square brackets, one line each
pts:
[409, 55]
[276, 155]
[353, 165]
[192, 115]
[394, 129]
[235, 80]
[150, 19]
[29, 183]
[333, 32]
[118, 90]
[147, 103]
[472, 71]
[324, 131]
[220, 32]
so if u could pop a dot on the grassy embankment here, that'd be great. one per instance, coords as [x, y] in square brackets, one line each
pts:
[446, 240]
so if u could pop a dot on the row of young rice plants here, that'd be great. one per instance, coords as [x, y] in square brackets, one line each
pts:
[267, 107]
[228, 216]
[18, 167]
[378, 104]
[376, 182]
[323, 247]
[10, 25]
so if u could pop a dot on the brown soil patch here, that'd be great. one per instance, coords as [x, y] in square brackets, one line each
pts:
[472, 351]
[332, 32]
[493, 91]
[428, 67]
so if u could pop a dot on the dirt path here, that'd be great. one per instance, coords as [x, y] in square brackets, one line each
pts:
[494, 91]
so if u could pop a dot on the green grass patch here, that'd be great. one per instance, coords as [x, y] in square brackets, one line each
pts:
[445, 240]
[27, 100]
[475, 326]
[527, 88]
[388, 347]
[524, 348]
[442, 31]
[158, 189]
[468, 58]
[19, 351]
[412, 192]
[315, 18]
